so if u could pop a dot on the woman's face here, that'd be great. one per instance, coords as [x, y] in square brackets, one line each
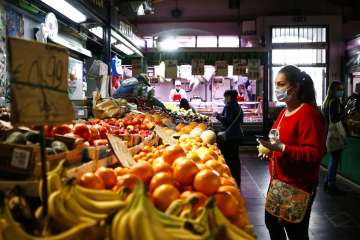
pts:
[283, 85]
[339, 87]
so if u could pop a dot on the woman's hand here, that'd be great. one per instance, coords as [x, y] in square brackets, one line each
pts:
[264, 152]
[277, 146]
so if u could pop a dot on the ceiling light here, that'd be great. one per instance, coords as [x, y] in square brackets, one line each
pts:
[97, 31]
[124, 49]
[66, 9]
[168, 44]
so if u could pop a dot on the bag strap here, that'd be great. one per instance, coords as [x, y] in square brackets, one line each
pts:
[234, 121]
[273, 173]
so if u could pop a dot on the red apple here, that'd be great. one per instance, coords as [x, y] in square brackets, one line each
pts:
[83, 131]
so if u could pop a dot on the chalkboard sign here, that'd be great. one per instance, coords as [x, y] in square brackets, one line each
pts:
[38, 81]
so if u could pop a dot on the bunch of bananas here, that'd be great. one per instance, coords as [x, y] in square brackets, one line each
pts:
[54, 179]
[141, 220]
[10, 229]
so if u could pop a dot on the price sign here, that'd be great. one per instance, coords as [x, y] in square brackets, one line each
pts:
[197, 66]
[221, 68]
[254, 69]
[136, 67]
[171, 69]
[39, 83]
[239, 66]
[20, 158]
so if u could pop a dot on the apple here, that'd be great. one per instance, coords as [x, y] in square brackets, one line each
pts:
[83, 131]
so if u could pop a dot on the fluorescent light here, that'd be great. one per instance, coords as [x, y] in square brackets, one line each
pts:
[169, 44]
[66, 9]
[124, 49]
[141, 10]
[98, 31]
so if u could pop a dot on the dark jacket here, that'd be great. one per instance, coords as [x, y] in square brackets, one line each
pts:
[228, 115]
[335, 111]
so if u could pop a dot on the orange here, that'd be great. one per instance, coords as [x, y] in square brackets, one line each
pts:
[142, 170]
[127, 180]
[160, 166]
[121, 171]
[200, 199]
[215, 165]
[207, 181]
[228, 181]
[240, 220]
[235, 192]
[227, 204]
[185, 171]
[91, 180]
[164, 194]
[108, 175]
[171, 153]
[185, 194]
[159, 179]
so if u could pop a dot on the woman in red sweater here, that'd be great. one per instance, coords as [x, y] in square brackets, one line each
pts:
[298, 148]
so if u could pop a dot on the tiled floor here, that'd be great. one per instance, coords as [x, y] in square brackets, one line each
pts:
[332, 217]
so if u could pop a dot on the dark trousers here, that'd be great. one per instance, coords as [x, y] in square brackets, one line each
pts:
[332, 168]
[294, 231]
[230, 150]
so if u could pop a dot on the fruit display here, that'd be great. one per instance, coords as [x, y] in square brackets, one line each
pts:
[182, 115]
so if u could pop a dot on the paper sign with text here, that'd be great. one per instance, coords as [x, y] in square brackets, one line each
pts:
[254, 69]
[221, 68]
[197, 66]
[38, 81]
[239, 67]
[171, 70]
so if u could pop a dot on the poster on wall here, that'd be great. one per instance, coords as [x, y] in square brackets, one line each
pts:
[171, 70]
[75, 79]
[136, 67]
[239, 67]
[254, 69]
[197, 66]
[221, 68]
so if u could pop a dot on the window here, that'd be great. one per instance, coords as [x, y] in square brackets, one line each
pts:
[298, 35]
[206, 41]
[288, 48]
[229, 41]
[186, 41]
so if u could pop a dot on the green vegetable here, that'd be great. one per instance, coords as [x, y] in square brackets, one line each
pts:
[59, 146]
[16, 138]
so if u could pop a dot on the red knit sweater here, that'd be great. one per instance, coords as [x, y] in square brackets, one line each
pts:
[303, 134]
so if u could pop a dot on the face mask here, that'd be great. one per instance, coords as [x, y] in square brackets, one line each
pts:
[281, 94]
[340, 93]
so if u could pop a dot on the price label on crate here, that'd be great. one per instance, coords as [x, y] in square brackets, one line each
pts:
[20, 158]
[39, 74]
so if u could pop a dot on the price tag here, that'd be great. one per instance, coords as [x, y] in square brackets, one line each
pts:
[171, 70]
[239, 67]
[197, 66]
[221, 68]
[39, 83]
[20, 158]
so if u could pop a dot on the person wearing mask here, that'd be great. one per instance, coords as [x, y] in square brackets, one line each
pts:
[177, 93]
[333, 111]
[231, 119]
[297, 146]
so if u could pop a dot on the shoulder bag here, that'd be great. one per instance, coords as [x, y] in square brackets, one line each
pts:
[223, 135]
[286, 202]
[336, 136]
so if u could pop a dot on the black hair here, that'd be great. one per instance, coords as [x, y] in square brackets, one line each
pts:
[232, 93]
[295, 76]
[184, 103]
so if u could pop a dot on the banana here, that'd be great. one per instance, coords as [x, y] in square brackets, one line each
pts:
[105, 207]
[39, 213]
[186, 212]
[175, 207]
[12, 229]
[53, 179]
[73, 206]
[98, 195]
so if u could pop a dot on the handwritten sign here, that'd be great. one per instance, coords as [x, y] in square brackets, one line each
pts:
[136, 67]
[221, 68]
[39, 86]
[254, 69]
[197, 66]
[239, 67]
[171, 69]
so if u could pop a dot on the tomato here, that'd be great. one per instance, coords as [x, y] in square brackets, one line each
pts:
[90, 180]
[102, 131]
[83, 131]
[62, 129]
[108, 175]
[95, 134]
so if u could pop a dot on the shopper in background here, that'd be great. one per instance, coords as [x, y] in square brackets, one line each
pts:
[184, 104]
[177, 93]
[231, 119]
[298, 146]
[333, 110]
